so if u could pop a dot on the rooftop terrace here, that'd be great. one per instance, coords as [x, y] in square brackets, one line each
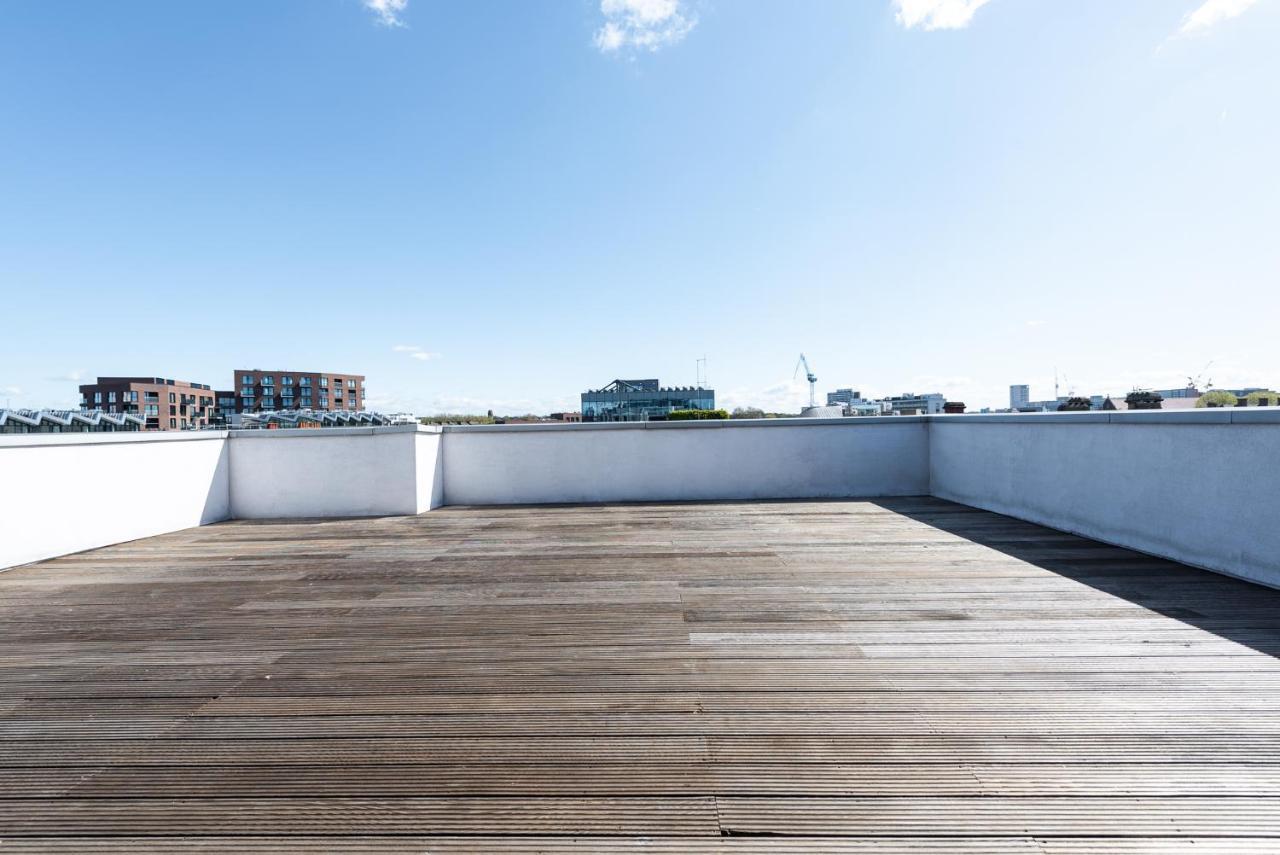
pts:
[895, 675]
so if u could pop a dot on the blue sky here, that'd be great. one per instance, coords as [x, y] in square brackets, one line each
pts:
[500, 204]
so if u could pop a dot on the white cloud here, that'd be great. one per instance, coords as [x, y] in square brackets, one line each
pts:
[1213, 12]
[412, 350]
[787, 396]
[937, 14]
[642, 24]
[401, 401]
[69, 377]
[10, 390]
[387, 12]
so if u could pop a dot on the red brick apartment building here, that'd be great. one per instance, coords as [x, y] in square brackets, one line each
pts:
[165, 404]
[259, 391]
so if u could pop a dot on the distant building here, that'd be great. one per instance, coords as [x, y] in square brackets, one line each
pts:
[264, 391]
[225, 406]
[571, 418]
[163, 404]
[867, 408]
[953, 407]
[1019, 396]
[843, 397]
[912, 404]
[67, 421]
[641, 400]
[1184, 392]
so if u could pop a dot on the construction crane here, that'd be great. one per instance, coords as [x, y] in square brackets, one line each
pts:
[809, 375]
[1194, 382]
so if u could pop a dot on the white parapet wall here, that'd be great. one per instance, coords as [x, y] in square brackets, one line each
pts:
[680, 461]
[1201, 487]
[335, 472]
[63, 493]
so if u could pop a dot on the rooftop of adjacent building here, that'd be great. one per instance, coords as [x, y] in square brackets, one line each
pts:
[317, 418]
[278, 372]
[150, 381]
[649, 385]
[39, 421]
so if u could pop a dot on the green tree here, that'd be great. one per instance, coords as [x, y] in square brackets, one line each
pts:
[1265, 398]
[695, 415]
[747, 413]
[1216, 398]
[456, 419]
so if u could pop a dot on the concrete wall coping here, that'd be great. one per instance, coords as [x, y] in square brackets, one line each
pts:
[312, 433]
[1203, 416]
[705, 424]
[30, 440]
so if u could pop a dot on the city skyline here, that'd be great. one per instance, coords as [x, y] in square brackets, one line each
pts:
[484, 208]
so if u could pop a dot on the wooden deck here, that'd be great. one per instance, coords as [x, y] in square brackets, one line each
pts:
[903, 676]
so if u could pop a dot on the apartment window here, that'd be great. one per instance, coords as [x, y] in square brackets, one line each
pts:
[287, 381]
[304, 381]
[246, 379]
[246, 403]
[351, 384]
[153, 410]
[172, 398]
[97, 397]
[268, 380]
[111, 409]
[184, 424]
[152, 396]
[133, 397]
[111, 397]
[173, 423]
[324, 382]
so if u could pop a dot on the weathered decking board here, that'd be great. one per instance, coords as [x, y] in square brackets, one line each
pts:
[905, 676]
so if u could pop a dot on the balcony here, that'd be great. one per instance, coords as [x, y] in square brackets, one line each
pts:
[832, 640]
